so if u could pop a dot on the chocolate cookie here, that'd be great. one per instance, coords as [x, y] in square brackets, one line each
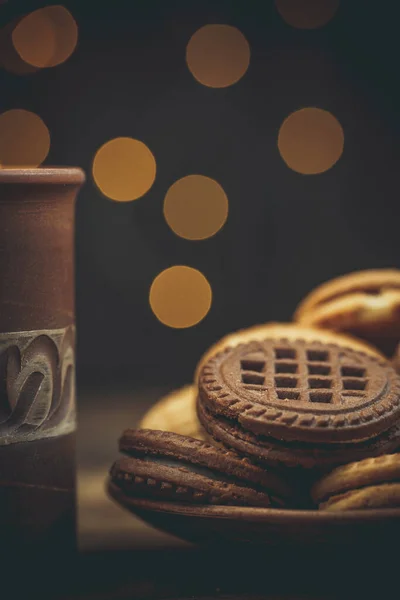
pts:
[169, 466]
[288, 331]
[175, 412]
[277, 454]
[301, 391]
[365, 303]
[357, 475]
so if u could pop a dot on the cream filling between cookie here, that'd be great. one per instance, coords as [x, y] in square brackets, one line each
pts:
[198, 469]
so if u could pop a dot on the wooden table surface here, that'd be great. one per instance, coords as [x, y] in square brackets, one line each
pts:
[102, 524]
[121, 557]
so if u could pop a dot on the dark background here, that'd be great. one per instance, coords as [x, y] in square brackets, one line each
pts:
[285, 232]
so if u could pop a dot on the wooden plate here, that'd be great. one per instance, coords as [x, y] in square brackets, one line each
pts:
[264, 526]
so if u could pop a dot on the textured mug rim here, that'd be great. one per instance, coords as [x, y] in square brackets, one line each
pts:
[43, 175]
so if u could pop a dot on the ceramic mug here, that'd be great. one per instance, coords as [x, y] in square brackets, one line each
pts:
[37, 359]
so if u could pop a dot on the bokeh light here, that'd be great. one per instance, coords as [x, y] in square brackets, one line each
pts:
[124, 169]
[196, 207]
[311, 140]
[307, 14]
[180, 297]
[10, 60]
[24, 139]
[46, 37]
[218, 55]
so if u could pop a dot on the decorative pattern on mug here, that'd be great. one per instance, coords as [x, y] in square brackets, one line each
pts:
[37, 384]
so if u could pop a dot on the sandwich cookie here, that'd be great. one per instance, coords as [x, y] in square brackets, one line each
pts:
[302, 391]
[370, 483]
[365, 304]
[300, 404]
[167, 466]
[288, 331]
[275, 453]
[175, 412]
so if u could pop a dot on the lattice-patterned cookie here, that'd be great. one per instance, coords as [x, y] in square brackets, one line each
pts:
[288, 331]
[275, 453]
[309, 392]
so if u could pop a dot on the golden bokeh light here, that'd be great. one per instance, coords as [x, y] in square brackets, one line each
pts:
[311, 140]
[196, 207]
[10, 60]
[307, 14]
[24, 139]
[124, 169]
[180, 297]
[46, 37]
[218, 55]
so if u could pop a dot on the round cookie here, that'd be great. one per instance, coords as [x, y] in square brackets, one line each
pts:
[289, 331]
[396, 359]
[353, 476]
[302, 391]
[277, 454]
[141, 443]
[175, 412]
[386, 495]
[165, 465]
[364, 303]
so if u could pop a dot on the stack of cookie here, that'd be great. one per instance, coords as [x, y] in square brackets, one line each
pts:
[275, 410]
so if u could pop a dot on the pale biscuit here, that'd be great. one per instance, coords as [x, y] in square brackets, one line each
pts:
[396, 359]
[356, 475]
[366, 304]
[371, 280]
[357, 310]
[386, 495]
[175, 412]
